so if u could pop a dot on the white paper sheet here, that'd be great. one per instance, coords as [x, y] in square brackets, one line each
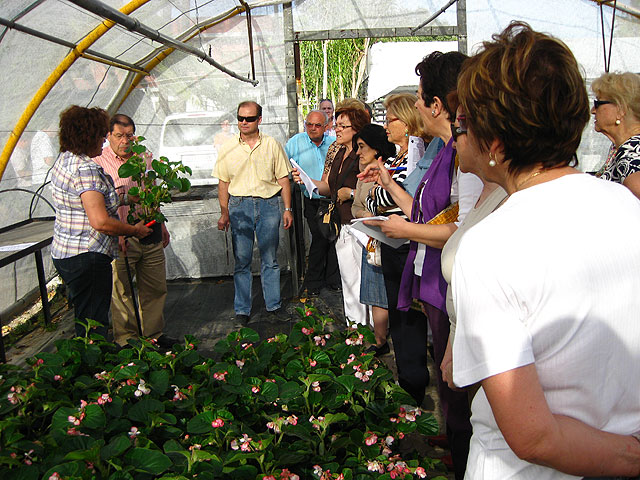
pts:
[375, 232]
[306, 179]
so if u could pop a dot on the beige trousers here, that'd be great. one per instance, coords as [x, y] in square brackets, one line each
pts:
[147, 264]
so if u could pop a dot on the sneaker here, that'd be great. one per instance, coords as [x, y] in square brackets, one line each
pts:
[242, 320]
[278, 315]
[378, 351]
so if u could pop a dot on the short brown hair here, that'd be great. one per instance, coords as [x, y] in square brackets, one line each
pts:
[81, 129]
[357, 116]
[246, 103]
[402, 105]
[525, 89]
[122, 120]
[438, 74]
[621, 88]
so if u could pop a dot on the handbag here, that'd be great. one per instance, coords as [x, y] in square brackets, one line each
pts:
[449, 214]
[328, 217]
[328, 220]
[374, 256]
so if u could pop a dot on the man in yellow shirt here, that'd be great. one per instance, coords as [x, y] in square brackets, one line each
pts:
[253, 170]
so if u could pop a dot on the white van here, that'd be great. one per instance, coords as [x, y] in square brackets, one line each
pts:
[195, 139]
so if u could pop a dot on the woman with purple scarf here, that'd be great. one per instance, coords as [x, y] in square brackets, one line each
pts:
[421, 278]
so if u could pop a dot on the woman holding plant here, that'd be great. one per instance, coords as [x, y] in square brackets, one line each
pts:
[86, 226]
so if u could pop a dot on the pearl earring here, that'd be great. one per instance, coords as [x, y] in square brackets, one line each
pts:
[617, 121]
[492, 161]
[433, 113]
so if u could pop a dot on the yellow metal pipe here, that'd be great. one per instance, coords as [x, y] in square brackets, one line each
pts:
[165, 53]
[53, 78]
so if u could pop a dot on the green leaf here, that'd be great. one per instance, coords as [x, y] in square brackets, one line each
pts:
[269, 392]
[127, 170]
[290, 390]
[347, 382]
[146, 460]
[159, 381]
[121, 475]
[427, 424]
[25, 472]
[94, 417]
[294, 369]
[141, 410]
[201, 423]
[321, 357]
[126, 372]
[185, 185]
[117, 446]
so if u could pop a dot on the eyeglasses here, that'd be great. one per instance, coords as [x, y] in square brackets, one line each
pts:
[314, 125]
[597, 103]
[250, 119]
[342, 127]
[389, 121]
[120, 136]
[461, 129]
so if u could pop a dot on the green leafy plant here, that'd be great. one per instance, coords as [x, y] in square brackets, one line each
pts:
[154, 185]
[308, 405]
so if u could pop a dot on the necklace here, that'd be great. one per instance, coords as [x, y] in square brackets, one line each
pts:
[529, 178]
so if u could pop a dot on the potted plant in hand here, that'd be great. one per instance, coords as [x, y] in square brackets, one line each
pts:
[154, 186]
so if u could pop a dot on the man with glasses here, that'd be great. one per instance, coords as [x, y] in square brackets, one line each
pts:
[309, 150]
[253, 170]
[147, 262]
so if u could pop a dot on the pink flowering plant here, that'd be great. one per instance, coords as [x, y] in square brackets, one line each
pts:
[310, 404]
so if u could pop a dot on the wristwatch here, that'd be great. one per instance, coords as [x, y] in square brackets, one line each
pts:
[288, 209]
[352, 193]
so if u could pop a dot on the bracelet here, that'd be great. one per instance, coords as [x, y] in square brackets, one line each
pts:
[288, 209]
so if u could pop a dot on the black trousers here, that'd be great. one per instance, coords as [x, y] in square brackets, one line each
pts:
[89, 284]
[408, 329]
[322, 265]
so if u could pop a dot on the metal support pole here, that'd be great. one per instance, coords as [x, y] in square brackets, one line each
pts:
[461, 10]
[42, 283]
[433, 17]
[292, 113]
[134, 25]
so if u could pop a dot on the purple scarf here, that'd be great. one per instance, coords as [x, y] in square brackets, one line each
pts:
[432, 196]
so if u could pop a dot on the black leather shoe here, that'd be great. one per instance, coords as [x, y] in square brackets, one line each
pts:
[166, 342]
[378, 351]
[242, 320]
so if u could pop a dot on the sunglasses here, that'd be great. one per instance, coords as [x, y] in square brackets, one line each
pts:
[597, 103]
[250, 119]
[461, 129]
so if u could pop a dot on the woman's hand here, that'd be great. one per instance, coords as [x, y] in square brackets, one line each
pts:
[141, 230]
[446, 367]
[377, 172]
[345, 194]
[394, 227]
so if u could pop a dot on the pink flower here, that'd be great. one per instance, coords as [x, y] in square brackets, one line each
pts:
[217, 423]
[255, 389]
[371, 440]
[308, 313]
[105, 398]
[313, 363]
[320, 342]
[133, 433]
[234, 444]
[57, 378]
[375, 466]
[268, 477]
[39, 362]
[421, 472]
[73, 431]
[55, 476]
[389, 440]
[13, 398]
[307, 331]
[240, 364]
[220, 376]
[293, 420]
[316, 386]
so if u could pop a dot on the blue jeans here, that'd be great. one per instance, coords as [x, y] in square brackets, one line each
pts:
[88, 280]
[262, 216]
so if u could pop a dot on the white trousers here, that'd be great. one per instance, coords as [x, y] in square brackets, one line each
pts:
[349, 253]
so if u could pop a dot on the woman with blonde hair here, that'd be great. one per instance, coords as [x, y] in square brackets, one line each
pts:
[617, 115]
[549, 329]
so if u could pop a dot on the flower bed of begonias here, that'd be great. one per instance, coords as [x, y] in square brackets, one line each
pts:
[309, 405]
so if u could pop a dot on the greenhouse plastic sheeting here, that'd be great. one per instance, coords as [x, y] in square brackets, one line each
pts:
[182, 92]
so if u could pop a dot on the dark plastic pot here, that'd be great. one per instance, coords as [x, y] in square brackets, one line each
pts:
[154, 237]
